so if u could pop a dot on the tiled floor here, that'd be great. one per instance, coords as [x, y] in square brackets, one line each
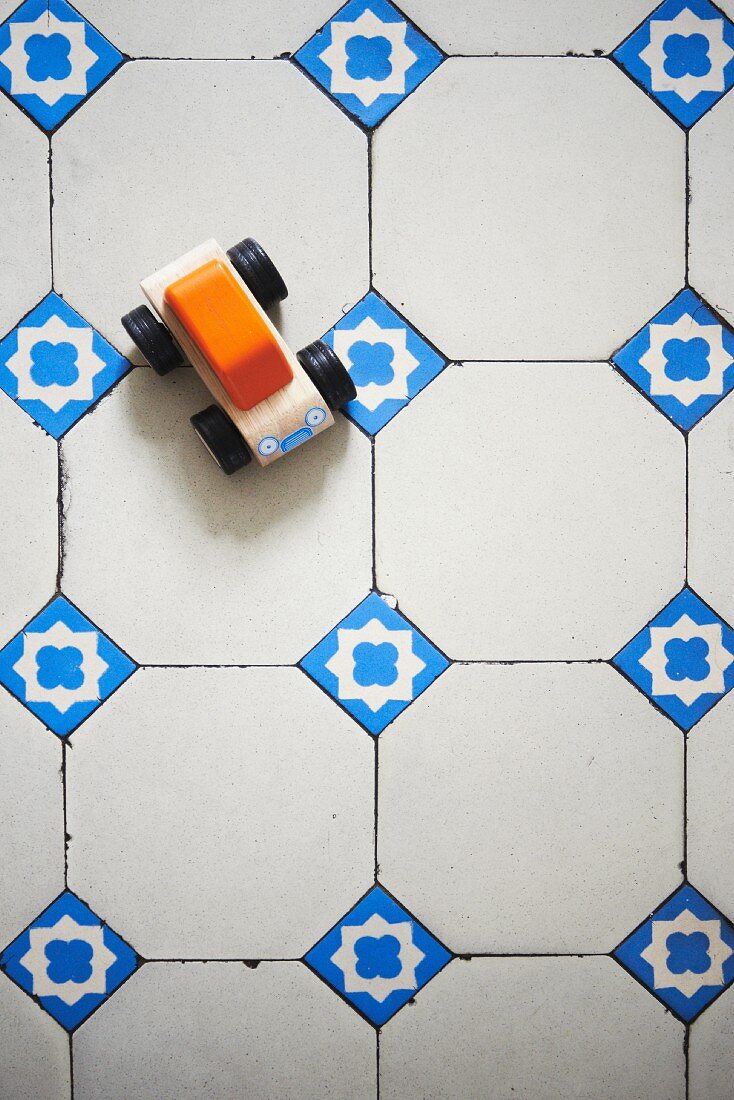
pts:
[402, 769]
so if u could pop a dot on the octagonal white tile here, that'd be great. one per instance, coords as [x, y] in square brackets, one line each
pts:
[526, 26]
[530, 808]
[711, 806]
[227, 28]
[711, 228]
[533, 1029]
[182, 1031]
[25, 246]
[711, 1051]
[31, 817]
[130, 195]
[244, 825]
[553, 226]
[711, 509]
[249, 569]
[34, 1052]
[551, 499]
[29, 529]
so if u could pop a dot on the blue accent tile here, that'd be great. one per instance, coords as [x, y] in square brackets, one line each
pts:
[683, 660]
[374, 663]
[684, 953]
[683, 55]
[51, 59]
[378, 956]
[69, 959]
[388, 361]
[369, 58]
[55, 365]
[683, 359]
[62, 667]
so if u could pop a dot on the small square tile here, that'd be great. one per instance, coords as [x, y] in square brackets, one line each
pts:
[62, 667]
[55, 365]
[683, 56]
[51, 59]
[374, 663]
[683, 360]
[388, 361]
[369, 58]
[69, 960]
[683, 660]
[378, 956]
[683, 953]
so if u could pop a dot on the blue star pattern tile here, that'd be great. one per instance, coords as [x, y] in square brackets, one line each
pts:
[683, 55]
[683, 359]
[374, 663]
[369, 58]
[388, 361]
[69, 959]
[62, 667]
[683, 660]
[378, 956]
[55, 365]
[683, 953]
[51, 58]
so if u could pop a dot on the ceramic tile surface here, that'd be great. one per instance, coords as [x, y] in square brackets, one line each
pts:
[399, 769]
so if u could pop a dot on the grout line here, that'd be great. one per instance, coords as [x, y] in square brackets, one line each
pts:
[684, 867]
[71, 1065]
[61, 483]
[686, 1055]
[369, 206]
[251, 963]
[377, 810]
[538, 362]
[373, 513]
[64, 747]
[687, 506]
[377, 1064]
[51, 209]
[687, 234]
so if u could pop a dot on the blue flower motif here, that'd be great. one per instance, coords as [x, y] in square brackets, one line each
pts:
[60, 667]
[69, 961]
[371, 363]
[686, 54]
[687, 659]
[378, 957]
[688, 952]
[375, 664]
[687, 359]
[48, 56]
[368, 57]
[54, 364]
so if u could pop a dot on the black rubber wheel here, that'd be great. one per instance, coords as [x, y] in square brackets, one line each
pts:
[328, 374]
[152, 339]
[221, 439]
[258, 272]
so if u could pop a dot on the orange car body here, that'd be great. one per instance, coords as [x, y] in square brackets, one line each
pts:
[231, 333]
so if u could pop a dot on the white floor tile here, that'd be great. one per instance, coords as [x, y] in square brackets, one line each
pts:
[539, 481]
[530, 808]
[121, 166]
[711, 225]
[31, 817]
[247, 569]
[711, 503]
[182, 1031]
[29, 527]
[220, 813]
[711, 1052]
[525, 26]
[34, 1052]
[533, 1029]
[554, 224]
[711, 806]
[25, 267]
[227, 28]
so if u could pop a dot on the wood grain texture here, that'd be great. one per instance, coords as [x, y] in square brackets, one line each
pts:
[279, 415]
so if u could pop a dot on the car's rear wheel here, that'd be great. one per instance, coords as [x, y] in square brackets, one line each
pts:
[221, 439]
[153, 340]
[258, 272]
[328, 374]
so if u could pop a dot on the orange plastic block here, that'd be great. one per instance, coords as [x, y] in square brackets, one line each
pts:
[230, 332]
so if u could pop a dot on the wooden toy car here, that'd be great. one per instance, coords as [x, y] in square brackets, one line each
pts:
[212, 306]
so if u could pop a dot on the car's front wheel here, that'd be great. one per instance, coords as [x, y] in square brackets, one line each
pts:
[221, 439]
[258, 273]
[328, 374]
[152, 339]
